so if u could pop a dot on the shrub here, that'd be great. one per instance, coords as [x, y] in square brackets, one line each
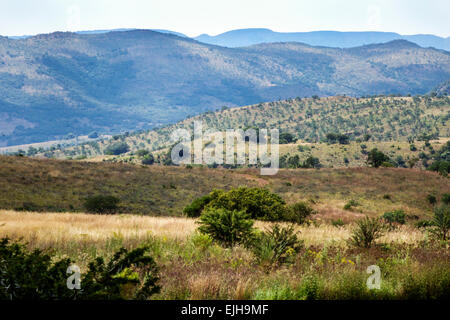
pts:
[349, 205]
[148, 159]
[441, 166]
[259, 203]
[441, 222]
[366, 232]
[37, 275]
[102, 204]
[396, 216]
[286, 137]
[142, 153]
[228, 227]
[431, 199]
[376, 158]
[117, 149]
[196, 207]
[276, 245]
[298, 212]
[311, 162]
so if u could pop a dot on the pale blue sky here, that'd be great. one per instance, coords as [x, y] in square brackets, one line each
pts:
[192, 17]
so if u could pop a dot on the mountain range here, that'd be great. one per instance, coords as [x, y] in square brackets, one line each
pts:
[60, 83]
[248, 37]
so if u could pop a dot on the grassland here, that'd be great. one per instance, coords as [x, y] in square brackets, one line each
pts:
[59, 186]
[193, 267]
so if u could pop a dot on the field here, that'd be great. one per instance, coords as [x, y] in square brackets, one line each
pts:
[191, 267]
[60, 186]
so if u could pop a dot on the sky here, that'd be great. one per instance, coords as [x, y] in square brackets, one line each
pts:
[194, 17]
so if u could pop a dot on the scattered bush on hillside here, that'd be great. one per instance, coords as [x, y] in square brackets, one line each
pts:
[311, 162]
[148, 159]
[102, 204]
[286, 137]
[366, 232]
[117, 149]
[376, 158]
[337, 137]
[440, 166]
[36, 275]
[228, 227]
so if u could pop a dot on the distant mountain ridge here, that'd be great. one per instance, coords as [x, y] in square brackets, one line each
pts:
[60, 83]
[337, 39]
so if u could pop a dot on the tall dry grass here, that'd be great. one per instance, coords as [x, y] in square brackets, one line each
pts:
[48, 229]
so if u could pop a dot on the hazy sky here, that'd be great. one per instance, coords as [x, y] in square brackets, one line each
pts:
[193, 17]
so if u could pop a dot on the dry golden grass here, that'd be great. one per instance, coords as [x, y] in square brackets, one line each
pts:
[64, 227]
[47, 229]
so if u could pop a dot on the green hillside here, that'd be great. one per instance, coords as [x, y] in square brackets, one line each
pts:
[392, 124]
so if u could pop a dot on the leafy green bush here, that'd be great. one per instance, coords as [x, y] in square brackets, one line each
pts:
[298, 212]
[37, 275]
[101, 204]
[117, 149]
[366, 232]
[396, 216]
[276, 245]
[259, 203]
[196, 207]
[376, 158]
[228, 227]
[286, 137]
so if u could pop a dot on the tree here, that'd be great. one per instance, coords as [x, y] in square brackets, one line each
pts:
[376, 158]
[286, 138]
[148, 159]
[259, 203]
[311, 162]
[102, 204]
[117, 148]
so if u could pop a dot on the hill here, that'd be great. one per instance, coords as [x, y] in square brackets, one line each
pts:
[55, 185]
[248, 37]
[387, 121]
[66, 83]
